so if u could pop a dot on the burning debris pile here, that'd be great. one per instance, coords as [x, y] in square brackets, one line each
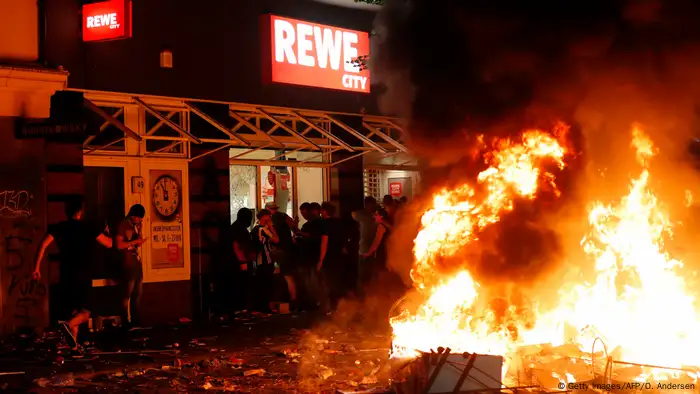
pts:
[633, 278]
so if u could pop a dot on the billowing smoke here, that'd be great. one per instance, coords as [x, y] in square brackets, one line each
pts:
[455, 69]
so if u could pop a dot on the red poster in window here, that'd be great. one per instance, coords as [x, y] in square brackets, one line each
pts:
[173, 253]
[395, 189]
[284, 181]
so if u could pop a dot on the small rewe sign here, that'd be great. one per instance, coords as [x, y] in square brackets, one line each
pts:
[108, 20]
[309, 54]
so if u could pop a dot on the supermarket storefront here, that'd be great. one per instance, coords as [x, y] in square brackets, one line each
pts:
[259, 154]
[176, 109]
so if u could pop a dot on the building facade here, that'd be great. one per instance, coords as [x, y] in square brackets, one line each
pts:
[190, 109]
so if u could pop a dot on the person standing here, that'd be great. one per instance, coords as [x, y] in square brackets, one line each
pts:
[129, 240]
[263, 236]
[368, 229]
[376, 256]
[235, 266]
[284, 251]
[330, 263]
[310, 247]
[243, 259]
[75, 240]
[304, 210]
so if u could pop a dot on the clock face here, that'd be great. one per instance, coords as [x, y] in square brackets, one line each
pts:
[166, 196]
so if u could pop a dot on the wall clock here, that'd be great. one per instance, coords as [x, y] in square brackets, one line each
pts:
[166, 196]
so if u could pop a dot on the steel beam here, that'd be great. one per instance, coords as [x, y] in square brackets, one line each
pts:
[160, 123]
[249, 152]
[92, 150]
[216, 124]
[209, 152]
[321, 130]
[288, 163]
[167, 121]
[114, 122]
[255, 128]
[356, 133]
[393, 142]
[350, 158]
[250, 116]
[105, 124]
[286, 128]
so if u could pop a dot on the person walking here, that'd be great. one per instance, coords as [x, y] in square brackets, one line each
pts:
[75, 240]
[129, 240]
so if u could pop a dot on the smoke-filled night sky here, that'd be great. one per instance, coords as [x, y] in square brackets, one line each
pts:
[458, 68]
[498, 66]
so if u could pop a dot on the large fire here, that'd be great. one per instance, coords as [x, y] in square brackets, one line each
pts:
[637, 302]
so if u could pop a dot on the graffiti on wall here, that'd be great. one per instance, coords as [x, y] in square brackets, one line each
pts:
[14, 204]
[24, 299]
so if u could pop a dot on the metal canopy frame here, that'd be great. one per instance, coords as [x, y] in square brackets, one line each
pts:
[157, 126]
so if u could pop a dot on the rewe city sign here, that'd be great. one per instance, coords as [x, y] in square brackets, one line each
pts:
[108, 20]
[309, 54]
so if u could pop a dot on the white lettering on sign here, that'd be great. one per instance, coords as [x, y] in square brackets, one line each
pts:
[317, 47]
[354, 81]
[103, 20]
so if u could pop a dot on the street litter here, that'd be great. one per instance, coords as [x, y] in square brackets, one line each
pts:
[254, 372]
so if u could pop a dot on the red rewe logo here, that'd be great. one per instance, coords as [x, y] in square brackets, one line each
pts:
[108, 20]
[395, 189]
[309, 54]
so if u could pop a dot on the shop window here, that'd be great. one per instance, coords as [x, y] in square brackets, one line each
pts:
[243, 188]
[253, 186]
[310, 186]
[372, 189]
[277, 186]
[396, 183]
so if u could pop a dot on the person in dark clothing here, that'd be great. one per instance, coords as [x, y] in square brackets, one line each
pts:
[284, 252]
[74, 240]
[129, 240]
[330, 262]
[263, 236]
[309, 241]
[314, 210]
[305, 211]
[376, 256]
[237, 264]
[390, 206]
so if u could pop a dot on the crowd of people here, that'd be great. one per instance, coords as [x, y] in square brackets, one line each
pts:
[321, 261]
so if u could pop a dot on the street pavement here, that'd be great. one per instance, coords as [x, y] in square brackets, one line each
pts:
[306, 352]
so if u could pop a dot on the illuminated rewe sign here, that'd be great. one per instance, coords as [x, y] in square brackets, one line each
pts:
[309, 54]
[108, 20]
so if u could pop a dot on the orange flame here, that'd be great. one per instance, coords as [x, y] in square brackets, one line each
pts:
[637, 301]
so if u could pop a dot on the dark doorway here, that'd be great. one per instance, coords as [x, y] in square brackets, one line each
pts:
[104, 206]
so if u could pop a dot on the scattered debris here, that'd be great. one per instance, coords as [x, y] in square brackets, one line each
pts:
[254, 372]
[242, 360]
